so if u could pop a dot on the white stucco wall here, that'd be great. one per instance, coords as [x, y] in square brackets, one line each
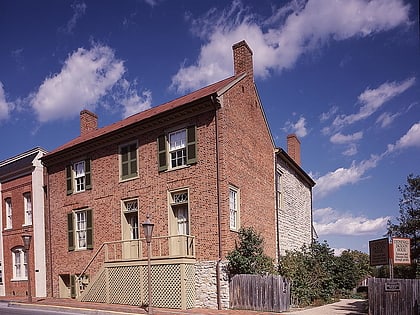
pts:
[295, 214]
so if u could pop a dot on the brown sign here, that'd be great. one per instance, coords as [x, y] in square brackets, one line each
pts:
[379, 252]
[401, 251]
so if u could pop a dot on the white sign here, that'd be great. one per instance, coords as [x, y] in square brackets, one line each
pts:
[401, 251]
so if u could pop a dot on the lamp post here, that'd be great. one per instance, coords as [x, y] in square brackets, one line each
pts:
[27, 245]
[148, 231]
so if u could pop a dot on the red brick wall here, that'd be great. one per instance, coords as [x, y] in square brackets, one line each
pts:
[151, 188]
[248, 163]
[15, 189]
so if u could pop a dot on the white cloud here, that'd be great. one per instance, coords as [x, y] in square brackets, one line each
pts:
[132, 102]
[4, 105]
[79, 10]
[339, 138]
[373, 99]
[351, 150]
[282, 38]
[86, 76]
[330, 222]
[385, 119]
[410, 139]
[344, 176]
[299, 128]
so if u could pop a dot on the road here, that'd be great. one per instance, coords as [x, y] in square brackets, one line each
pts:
[5, 309]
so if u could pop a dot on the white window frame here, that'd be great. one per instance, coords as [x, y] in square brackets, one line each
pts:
[9, 213]
[234, 208]
[279, 190]
[27, 201]
[80, 229]
[179, 202]
[79, 176]
[20, 264]
[177, 144]
[131, 210]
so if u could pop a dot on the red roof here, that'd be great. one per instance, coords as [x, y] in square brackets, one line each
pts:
[203, 92]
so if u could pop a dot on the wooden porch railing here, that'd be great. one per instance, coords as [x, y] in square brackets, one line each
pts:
[176, 246]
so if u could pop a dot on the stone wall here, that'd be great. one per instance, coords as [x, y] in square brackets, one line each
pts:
[295, 213]
[206, 284]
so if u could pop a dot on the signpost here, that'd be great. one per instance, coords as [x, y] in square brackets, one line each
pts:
[401, 251]
[379, 252]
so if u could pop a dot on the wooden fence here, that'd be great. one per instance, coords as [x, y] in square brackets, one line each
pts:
[259, 293]
[394, 296]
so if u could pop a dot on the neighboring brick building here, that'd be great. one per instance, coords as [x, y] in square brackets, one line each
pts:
[22, 211]
[293, 199]
[201, 165]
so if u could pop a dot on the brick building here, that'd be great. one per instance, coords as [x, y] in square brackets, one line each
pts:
[22, 211]
[201, 166]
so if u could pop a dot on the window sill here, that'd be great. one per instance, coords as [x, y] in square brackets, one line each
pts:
[26, 224]
[128, 179]
[18, 279]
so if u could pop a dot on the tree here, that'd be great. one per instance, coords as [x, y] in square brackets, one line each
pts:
[408, 222]
[351, 267]
[248, 257]
[311, 272]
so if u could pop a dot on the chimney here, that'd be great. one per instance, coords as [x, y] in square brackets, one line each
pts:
[88, 122]
[242, 59]
[293, 148]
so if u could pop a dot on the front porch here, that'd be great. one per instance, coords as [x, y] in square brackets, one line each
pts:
[117, 273]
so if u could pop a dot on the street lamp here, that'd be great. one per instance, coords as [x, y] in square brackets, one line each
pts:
[27, 245]
[148, 231]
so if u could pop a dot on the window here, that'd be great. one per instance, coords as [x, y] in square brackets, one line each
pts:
[1, 273]
[234, 208]
[131, 226]
[279, 200]
[80, 230]
[27, 201]
[179, 205]
[128, 161]
[9, 213]
[20, 264]
[177, 149]
[78, 177]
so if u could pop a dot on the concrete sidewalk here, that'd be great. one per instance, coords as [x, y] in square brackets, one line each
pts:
[354, 307]
[346, 306]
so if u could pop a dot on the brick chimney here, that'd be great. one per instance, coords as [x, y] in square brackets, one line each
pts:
[293, 148]
[242, 59]
[88, 122]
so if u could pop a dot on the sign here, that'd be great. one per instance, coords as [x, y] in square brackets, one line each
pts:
[401, 251]
[379, 252]
[392, 287]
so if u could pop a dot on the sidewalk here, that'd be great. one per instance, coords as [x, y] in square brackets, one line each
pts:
[350, 306]
[70, 305]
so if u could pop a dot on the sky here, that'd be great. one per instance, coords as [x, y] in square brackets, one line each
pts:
[343, 75]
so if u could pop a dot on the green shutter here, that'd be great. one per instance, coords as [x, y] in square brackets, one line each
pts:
[89, 229]
[70, 230]
[87, 175]
[69, 179]
[73, 286]
[133, 160]
[191, 145]
[162, 159]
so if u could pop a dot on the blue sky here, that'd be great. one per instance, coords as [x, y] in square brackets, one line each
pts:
[343, 75]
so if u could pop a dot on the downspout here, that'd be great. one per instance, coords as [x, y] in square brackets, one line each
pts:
[48, 219]
[219, 214]
[277, 207]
